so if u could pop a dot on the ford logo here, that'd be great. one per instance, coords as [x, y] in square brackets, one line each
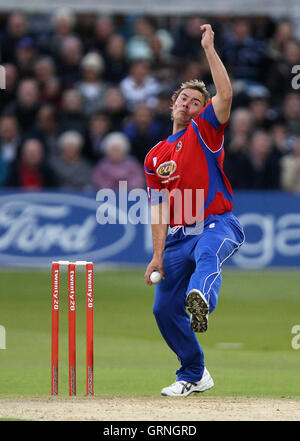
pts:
[36, 228]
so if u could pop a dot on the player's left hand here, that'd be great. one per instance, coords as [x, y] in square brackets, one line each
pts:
[207, 36]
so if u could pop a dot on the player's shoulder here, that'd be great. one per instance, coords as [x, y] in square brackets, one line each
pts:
[208, 114]
[207, 118]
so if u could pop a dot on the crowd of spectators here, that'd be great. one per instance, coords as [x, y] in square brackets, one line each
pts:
[88, 96]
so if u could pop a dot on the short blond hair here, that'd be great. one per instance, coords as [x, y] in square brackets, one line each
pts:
[192, 84]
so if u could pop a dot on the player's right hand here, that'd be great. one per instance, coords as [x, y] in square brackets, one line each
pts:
[156, 264]
[207, 36]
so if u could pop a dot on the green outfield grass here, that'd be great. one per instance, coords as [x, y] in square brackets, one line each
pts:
[247, 347]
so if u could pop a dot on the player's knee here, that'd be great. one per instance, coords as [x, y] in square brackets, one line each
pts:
[207, 252]
[164, 309]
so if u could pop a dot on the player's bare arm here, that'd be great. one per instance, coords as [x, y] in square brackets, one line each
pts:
[159, 227]
[223, 98]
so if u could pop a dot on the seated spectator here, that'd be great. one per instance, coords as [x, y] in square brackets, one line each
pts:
[139, 44]
[188, 38]
[118, 165]
[282, 142]
[161, 44]
[167, 77]
[116, 63]
[4, 172]
[246, 57]
[149, 43]
[11, 82]
[196, 69]
[52, 93]
[143, 27]
[162, 114]
[16, 28]
[258, 168]
[236, 143]
[30, 171]
[261, 113]
[47, 128]
[92, 86]
[290, 169]
[85, 26]
[240, 127]
[44, 70]
[26, 106]
[25, 55]
[103, 31]
[9, 145]
[284, 32]
[71, 170]
[263, 27]
[291, 112]
[71, 114]
[58, 26]
[140, 86]
[99, 125]
[63, 23]
[291, 52]
[70, 53]
[279, 78]
[144, 131]
[49, 83]
[115, 107]
[9, 138]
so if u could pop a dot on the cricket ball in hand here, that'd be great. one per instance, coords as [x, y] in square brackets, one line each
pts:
[155, 277]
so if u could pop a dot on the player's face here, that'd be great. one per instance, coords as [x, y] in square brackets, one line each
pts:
[187, 106]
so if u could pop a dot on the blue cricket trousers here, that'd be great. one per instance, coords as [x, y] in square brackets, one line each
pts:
[193, 261]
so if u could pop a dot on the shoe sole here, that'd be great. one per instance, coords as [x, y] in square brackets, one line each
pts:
[198, 308]
[204, 390]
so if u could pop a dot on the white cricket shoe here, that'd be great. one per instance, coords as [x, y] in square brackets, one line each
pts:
[198, 307]
[185, 388]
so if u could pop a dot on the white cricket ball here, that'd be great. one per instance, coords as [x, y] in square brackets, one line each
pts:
[155, 277]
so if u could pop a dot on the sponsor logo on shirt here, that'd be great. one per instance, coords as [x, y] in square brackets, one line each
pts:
[166, 169]
[170, 179]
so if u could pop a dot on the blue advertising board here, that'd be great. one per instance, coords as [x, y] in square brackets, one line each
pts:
[39, 227]
[271, 221]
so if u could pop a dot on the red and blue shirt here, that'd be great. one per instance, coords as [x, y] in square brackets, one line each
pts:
[191, 159]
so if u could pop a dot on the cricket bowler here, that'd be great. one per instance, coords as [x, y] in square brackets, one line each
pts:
[189, 251]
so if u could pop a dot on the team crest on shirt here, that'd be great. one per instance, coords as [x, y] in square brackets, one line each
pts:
[166, 169]
[178, 146]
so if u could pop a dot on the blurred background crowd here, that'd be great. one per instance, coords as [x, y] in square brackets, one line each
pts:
[87, 97]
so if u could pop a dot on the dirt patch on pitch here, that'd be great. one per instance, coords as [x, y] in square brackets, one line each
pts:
[193, 408]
